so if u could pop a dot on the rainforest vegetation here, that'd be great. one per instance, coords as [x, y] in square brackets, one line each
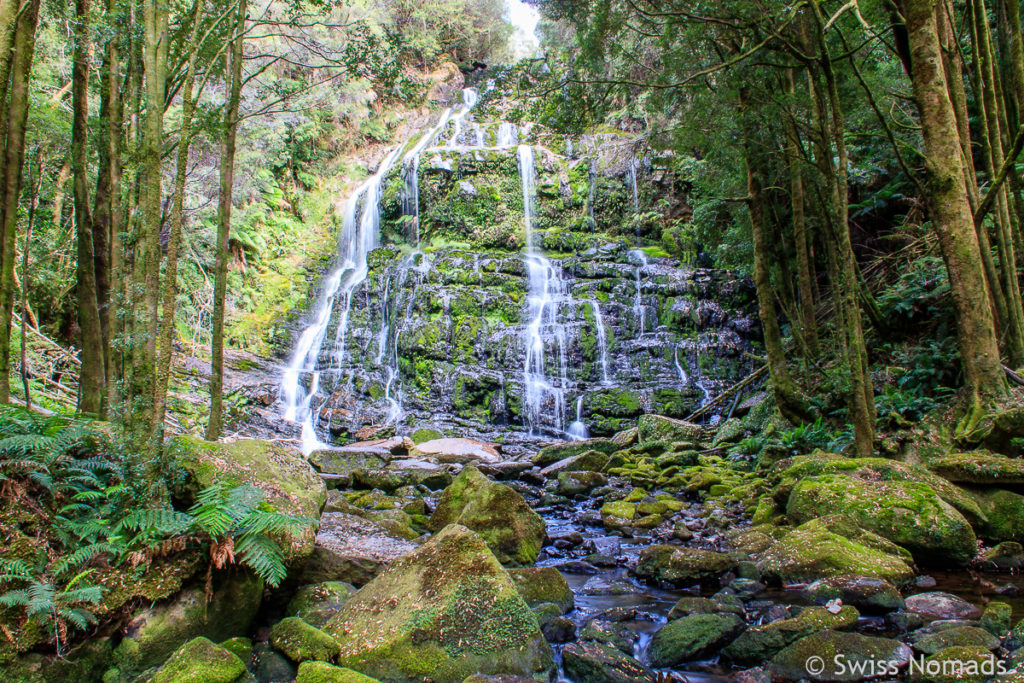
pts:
[500, 340]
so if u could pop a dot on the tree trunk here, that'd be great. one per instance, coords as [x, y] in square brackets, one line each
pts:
[951, 212]
[90, 379]
[14, 158]
[804, 266]
[227, 181]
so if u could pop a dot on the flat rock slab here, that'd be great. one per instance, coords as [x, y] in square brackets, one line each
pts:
[979, 467]
[352, 549]
[456, 450]
[939, 605]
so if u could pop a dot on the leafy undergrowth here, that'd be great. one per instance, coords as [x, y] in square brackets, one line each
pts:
[79, 549]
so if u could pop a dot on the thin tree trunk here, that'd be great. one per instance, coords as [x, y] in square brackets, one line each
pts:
[227, 181]
[165, 345]
[951, 213]
[14, 158]
[804, 267]
[33, 207]
[115, 313]
[90, 379]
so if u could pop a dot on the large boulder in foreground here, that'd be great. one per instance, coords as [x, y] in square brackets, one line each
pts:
[200, 660]
[352, 549]
[443, 612]
[511, 529]
[840, 656]
[289, 483]
[834, 546]
[661, 428]
[907, 513]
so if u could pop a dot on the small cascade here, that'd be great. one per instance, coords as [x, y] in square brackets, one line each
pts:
[508, 134]
[544, 398]
[633, 163]
[469, 99]
[683, 377]
[577, 430]
[638, 306]
[602, 342]
[591, 187]
[393, 313]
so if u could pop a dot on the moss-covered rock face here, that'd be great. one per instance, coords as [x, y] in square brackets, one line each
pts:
[200, 660]
[568, 449]
[959, 636]
[352, 549]
[316, 603]
[843, 657]
[692, 638]
[682, 566]
[980, 467]
[444, 611]
[156, 632]
[322, 672]
[870, 595]
[834, 546]
[540, 585]
[907, 513]
[1004, 513]
[513, 531]
[596, 662]
[661, 428]
[761, 643]
[959, 664]
[300, 642]
[287, 480]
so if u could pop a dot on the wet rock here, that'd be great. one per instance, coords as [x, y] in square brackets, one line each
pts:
[815, 550]
[682, 566]
[579, 483]
[869, 595]
[346, 460]
[925, 581]
[512, 530]
[939, 605]
[559, 630]
[444, 611]
[239, 646]
[200, 660]
[590, 461]
[996, 618]
[618, 636]
[508, 469]
[596, 662]
[1008, 556]
[660, 428]
[321, 672]
[961, 636]
[860, 658]
[609, 585]
[692, 637]
[456, 450]
[1004, 511]
[761, 643]
[538, 585]
[979, 467]
[961, 664]
[300, 642]
[318, 602]
[688, 606]
[352, 549]
[271, 665]
[404, 472]
[907, 513]
[577, 567]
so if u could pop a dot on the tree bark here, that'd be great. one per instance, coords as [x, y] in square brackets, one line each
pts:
[804, 266]
[227, 181]
[951, 212]
[14, 158]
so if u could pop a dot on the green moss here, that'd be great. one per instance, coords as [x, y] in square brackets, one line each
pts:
[321, 672]
[200, 661]
[301, 642]
[692, 637]
[424, 434]
[540, 585]
[760, 643]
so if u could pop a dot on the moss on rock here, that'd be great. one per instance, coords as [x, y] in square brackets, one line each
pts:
[682, 566]
[200, 661]
[316, 603]
[842, 656]
[761, 643]
[692, 637]
[322, 672]
[539, 585]
[300, 642]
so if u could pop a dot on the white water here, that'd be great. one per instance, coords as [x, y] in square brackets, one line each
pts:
[523, 43]
[632, 183]
[577, 430]
[683, 377]
[602, 341]
[544, 398]
[638, 306]
[507, 134]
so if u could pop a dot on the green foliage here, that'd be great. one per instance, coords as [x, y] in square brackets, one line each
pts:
[812, 436]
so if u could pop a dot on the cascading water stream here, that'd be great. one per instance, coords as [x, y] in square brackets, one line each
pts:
[577, 430]
[683, 377]
[543, 400]
[632, 184]
[602, 342]
[638, 305]
[507, 134]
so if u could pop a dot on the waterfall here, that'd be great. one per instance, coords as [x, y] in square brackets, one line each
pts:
[577, 430]
[591, 184]
[469, 99]
[602, 341]
[683, 377]
[507, 134]
[632, 183]
[638, 306]
[546, 292]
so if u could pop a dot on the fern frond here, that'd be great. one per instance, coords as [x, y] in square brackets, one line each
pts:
[263, 556]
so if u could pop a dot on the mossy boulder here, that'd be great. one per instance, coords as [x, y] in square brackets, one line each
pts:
[596, 662]
[240, 646]
[833, 546]
[200, 661]
[300, 642]
[288, 481]
[424, 434]
[761, 643]
[316, 603]
[842, 657]
[352, 549]
[579, 483]
[444, 611]
[539, 585]
[661, 428]
[959, 636]
[322, 672]
[344, 461]
[868, 594]
[997, 618]
[566, 449]
[681, 566]
[907, 513]
[86, 662]
[980, 467]
[692, 637]
[154, 633]
[1004, 512]
[940, 605]
[959, 664]
[512, 530]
